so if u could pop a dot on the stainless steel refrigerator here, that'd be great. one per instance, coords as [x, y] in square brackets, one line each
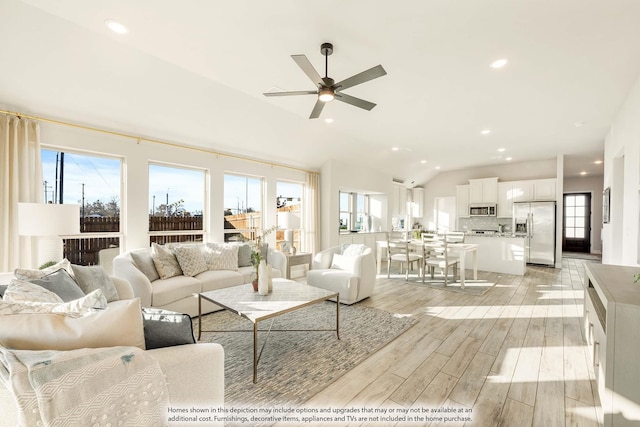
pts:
[536, 221]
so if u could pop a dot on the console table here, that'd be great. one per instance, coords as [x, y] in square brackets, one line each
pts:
[611, 322]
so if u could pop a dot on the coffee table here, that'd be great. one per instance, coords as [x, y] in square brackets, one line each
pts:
[286, 296]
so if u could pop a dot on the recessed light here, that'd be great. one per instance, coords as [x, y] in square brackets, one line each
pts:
[508, 159]
[437, 167]
[501, 150]
[499, 63]
[578, 124]
[395, 148]
[328, 120]
[583, 173]
[598, 162]
[116, 27]
[485, 131]
[423, 161]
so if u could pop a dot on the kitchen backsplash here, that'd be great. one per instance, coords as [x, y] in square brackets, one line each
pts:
[483, 223]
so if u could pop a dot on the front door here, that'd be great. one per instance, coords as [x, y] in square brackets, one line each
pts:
[576, 224]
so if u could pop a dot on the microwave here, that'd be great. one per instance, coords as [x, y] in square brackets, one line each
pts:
[482, 210]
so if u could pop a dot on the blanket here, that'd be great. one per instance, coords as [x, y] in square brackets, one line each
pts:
[91, 386]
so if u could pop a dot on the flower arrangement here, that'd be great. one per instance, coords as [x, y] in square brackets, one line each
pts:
[256, 257]
[636, 277]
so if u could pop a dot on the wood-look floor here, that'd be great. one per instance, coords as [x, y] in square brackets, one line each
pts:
[514, 356]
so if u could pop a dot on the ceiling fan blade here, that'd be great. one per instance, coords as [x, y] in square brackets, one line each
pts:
[317, 109]
[355, 101]
[308, 69]
[365, 76]
[299, 92]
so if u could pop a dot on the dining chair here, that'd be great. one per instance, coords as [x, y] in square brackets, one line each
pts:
[439, 256]
[454, 237]
[400, 252]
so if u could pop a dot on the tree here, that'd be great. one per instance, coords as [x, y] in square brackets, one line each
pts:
[172, 209]
[98, 208]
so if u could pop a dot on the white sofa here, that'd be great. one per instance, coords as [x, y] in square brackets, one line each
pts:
[194, 372]
[353, 276]
[176, 293]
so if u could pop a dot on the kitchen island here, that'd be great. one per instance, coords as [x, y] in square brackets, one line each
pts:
[499, 253]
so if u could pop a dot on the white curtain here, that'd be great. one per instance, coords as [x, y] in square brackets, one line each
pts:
[311, 224]
[20, 181]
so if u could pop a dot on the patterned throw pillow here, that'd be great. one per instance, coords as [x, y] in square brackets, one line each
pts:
[77, 308]
[221, 256]
[22, 291]
[27, 274]
[165, 261]
[191, 259]
[92, 277]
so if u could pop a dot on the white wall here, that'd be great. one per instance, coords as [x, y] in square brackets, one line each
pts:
[336, 176]
[620, 238]
[593, 185]
[135, 185]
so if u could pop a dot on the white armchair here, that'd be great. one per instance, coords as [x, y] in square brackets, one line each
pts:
[354, 277]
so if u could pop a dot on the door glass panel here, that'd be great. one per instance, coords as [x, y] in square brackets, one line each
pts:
[579, 233]
[580, 200]
[570, 211]
[579, 211]
[570, 232]
[570, 201]
[580, 222]
[570, 222]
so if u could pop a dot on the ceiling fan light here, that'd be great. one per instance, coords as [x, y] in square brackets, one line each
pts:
[326, 94]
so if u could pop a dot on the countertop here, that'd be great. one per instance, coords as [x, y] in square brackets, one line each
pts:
[494, 235]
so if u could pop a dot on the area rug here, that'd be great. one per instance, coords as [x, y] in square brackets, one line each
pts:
[294, 366]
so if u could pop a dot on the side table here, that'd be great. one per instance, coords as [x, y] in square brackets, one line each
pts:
[298, 259]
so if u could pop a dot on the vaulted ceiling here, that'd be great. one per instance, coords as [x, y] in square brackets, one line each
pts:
[194, 72]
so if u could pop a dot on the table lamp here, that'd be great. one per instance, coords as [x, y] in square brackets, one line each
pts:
[48, 222]
[289, 222]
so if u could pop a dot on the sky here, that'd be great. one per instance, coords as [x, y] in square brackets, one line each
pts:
[101, 179]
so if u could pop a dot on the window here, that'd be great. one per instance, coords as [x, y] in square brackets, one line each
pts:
[354, 210]
[93, 182]
[243, 207]
[574, 216]
[176, 204]
[289, 213]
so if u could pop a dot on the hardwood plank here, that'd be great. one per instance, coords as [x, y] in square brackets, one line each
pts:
[578, 414]
[549, 405]
[435, 394]
[409, 391]
[461, 358]
[516, 414]
[469, 385]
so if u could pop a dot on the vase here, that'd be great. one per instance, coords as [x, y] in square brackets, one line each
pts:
[263, 278]
[254, 283]
[270, 274]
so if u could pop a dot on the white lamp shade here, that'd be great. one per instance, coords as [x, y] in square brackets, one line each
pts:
[288, 220]
[46, 219]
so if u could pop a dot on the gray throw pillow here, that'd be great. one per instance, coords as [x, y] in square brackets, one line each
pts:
[244, 255]
[142, 259]
[61, 284]
[94, 277]
[2, 289]
[164, 328]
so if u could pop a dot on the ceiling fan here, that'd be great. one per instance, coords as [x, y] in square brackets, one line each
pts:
[328, 90]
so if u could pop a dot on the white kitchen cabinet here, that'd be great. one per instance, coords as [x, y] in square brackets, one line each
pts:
[544, 189]
[462, 201]
[611, 315]
[505, 199]
[483, 190]
[522, 191]
[399, 200]
[417, 208]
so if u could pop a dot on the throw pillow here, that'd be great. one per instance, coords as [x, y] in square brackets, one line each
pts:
[62, 284]
[191, 260]
[28, 274]
[77, 308]
[119, 324]
[165, 261]
[22, 291]
[164, 328]
[354, 250]
[3, 288]
[244, 255]
[90, 278]
[343, 262]
[142, 259]
[221, 256]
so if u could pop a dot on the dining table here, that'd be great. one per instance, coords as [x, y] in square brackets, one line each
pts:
[459, 250]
